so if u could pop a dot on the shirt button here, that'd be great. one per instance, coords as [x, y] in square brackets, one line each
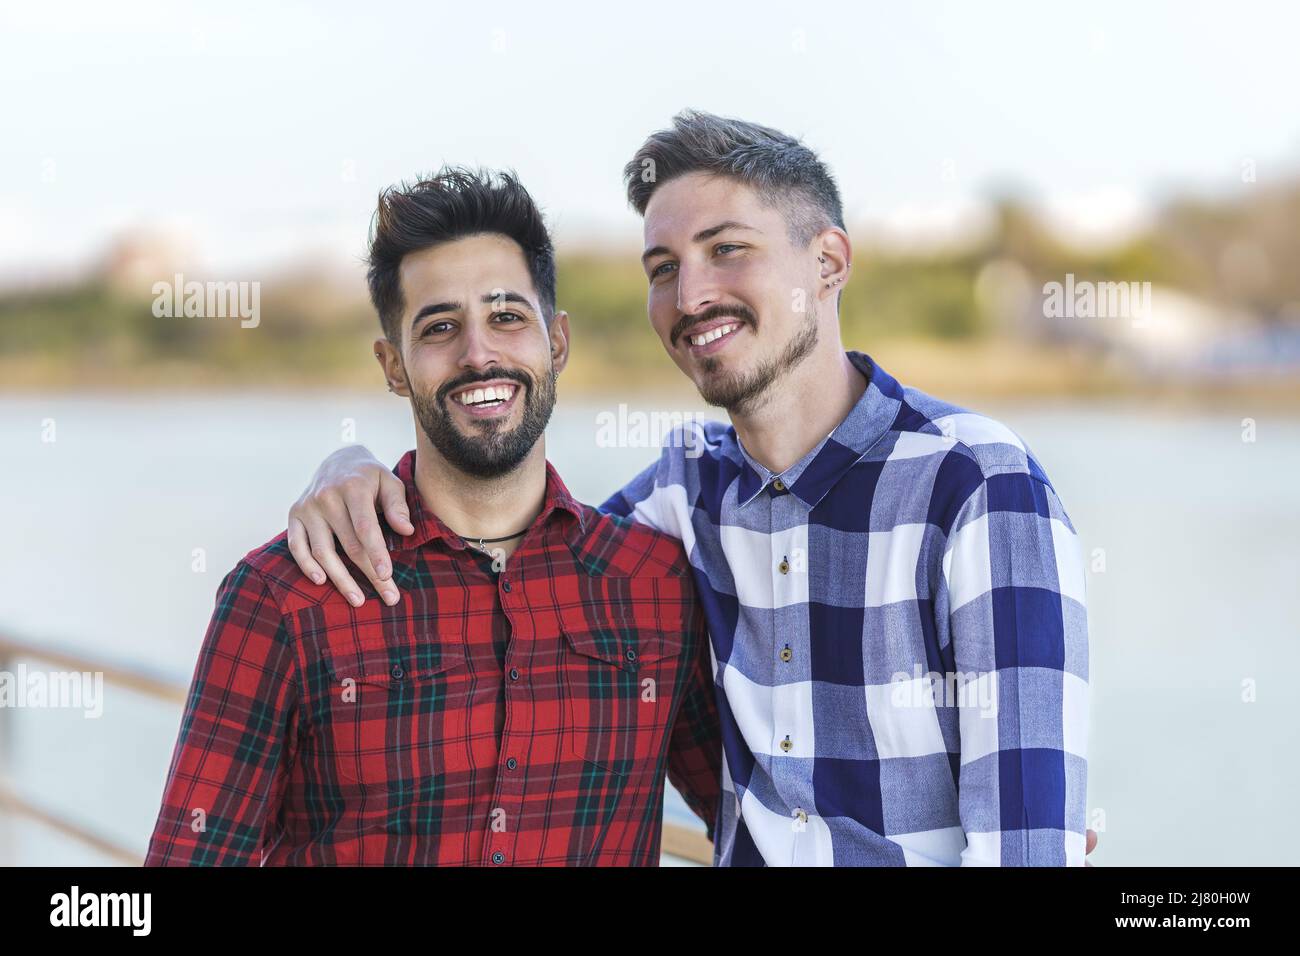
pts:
[505, 585]
[801, 814]
[397, 672]
[778, 485]
[631, 656]
[786, 744]
[514, 673]
[512, 763]
[787, 654]
[498, 857]
[784, 566]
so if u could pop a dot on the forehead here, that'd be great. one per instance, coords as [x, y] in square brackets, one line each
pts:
[464, 269]
[686, 204]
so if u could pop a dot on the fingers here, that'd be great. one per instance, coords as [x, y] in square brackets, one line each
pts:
[364, 543]
[300, 548]
[340, 503]
[362, 526]
[322, 550]
[392, 498]
[1090, 842]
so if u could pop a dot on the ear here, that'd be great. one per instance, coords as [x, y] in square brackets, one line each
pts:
[558, 333]
[834, 258]
[390, 361]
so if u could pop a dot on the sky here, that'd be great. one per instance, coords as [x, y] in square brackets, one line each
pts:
[260, 133]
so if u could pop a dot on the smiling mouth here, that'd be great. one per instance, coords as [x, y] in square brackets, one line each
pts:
[480, 398]
[704, 338]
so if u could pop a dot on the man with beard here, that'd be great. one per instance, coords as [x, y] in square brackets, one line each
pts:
[894, 591]
[548, 664]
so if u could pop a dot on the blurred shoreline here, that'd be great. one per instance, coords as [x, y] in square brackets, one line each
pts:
[985, 371]
[1200, 309]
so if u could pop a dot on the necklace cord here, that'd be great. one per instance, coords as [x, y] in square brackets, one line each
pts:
[494, 540]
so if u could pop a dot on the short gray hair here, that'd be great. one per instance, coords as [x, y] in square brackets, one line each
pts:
[786, 174]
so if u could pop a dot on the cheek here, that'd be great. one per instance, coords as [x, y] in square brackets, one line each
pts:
[528, 349]
[425, 372]
[661, 308]
[774, 300]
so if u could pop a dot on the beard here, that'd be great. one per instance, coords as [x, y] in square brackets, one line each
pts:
[496, 449]
[740, 393]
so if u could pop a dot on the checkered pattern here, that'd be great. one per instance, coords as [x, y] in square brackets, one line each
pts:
[526, 717]
[899, 638]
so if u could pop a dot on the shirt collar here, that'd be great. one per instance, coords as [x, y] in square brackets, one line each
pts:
[430, 528]
[813, 475]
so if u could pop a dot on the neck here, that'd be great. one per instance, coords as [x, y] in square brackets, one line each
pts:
[481, 507]
[801, 409]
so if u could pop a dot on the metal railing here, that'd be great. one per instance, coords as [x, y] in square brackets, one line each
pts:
[678, 841]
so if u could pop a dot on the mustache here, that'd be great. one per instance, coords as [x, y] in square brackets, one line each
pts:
[470, 378]
[742, 312]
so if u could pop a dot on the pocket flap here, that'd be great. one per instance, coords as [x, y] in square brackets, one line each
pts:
[390, 666]
[625, 647]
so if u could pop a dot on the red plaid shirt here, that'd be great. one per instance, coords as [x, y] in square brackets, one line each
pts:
[526, 717]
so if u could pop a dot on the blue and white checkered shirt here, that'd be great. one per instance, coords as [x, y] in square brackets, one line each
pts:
[899, 638]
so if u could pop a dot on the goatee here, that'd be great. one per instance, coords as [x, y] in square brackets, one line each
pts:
[494, 450]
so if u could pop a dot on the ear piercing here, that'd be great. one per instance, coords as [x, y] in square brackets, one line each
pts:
[390, 384]
[822, 260]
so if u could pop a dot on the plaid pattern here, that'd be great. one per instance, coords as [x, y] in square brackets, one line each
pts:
[899, 638]
[521, 718]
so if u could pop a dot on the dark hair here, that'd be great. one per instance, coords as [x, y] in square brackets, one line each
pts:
[454, 203]
[786, 174]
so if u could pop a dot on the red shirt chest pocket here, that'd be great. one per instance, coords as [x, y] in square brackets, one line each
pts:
[621, 686]
[397, 715]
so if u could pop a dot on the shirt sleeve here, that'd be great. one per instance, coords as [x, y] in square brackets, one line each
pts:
[638, 491]
[695, 749]
[1013, 589]
[658, 495]
[237, 738]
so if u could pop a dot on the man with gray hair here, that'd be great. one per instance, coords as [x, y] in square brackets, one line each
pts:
[894, 591]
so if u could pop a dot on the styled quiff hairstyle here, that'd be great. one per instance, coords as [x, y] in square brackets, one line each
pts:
[454, 203]
[785, 173]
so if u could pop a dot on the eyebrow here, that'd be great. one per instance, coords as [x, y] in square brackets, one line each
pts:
[701, 236]
[504, 295]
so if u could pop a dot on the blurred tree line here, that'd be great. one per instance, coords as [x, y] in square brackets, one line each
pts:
[1241, 252]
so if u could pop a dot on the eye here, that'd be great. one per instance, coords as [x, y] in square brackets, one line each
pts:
[435, 328]
[659, 270]
[508, 316]
[719, 249]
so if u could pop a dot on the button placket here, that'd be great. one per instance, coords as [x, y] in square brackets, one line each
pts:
[788, 539]
[507, 791]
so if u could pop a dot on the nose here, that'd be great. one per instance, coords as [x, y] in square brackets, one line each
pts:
[479, 350]
[695, 289]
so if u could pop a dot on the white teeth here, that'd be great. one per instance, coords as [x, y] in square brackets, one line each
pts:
[713, 334]
[481, 396]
